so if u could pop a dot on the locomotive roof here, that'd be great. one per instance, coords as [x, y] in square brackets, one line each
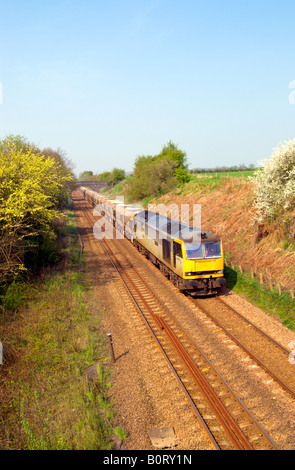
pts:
[174, 228]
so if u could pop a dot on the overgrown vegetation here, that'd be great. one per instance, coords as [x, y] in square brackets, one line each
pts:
[50, 337]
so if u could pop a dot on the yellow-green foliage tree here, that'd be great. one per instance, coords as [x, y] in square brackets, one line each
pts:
[31, 185]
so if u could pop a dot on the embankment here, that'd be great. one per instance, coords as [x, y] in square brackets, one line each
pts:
[228, 211]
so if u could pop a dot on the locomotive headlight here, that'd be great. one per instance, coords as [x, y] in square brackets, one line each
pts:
[189, 274]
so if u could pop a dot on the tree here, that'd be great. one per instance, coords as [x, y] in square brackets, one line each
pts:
[158, 174]
[182, 175]
[152, 176]
[31, 187]
[65, 169]
[86, 175]
[275, 183]
[114, 177]
[170, 150]
[117, 175]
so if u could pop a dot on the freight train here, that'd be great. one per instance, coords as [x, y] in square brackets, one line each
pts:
[192, 259]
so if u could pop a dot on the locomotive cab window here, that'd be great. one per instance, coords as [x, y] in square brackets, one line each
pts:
[213, 250]
[193, 251]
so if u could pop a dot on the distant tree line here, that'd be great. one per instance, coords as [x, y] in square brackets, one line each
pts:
[224, 169]
[110, 177]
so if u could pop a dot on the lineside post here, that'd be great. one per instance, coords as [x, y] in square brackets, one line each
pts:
[111, 347]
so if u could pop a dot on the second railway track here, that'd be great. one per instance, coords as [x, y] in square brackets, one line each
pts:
[226, 420]
[263, 349]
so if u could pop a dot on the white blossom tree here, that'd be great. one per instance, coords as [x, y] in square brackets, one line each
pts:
[275, 183]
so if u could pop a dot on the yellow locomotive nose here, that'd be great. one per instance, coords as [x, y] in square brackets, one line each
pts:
[203, 267]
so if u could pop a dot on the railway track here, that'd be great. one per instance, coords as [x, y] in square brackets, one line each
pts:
[227, 422]
[264, 350]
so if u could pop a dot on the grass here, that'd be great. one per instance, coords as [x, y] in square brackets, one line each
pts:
[270, 301]
[209, 182]
[47, 400]
[225, 174]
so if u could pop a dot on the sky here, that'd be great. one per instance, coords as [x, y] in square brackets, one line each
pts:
[108, 80]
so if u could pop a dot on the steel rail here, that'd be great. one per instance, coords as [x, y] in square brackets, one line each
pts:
[231, 428]
[239, 342]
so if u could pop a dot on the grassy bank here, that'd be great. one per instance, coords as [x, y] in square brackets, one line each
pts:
[49, 342]
[272, 301]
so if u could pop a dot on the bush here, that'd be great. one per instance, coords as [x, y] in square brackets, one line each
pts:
[275, 183]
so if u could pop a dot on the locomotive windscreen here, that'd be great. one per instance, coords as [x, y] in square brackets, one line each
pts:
[212, 250]
[204, 250]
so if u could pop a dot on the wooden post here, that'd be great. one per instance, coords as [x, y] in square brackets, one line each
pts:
[111, 347]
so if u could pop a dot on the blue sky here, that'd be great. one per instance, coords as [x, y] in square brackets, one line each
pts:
[108, 80]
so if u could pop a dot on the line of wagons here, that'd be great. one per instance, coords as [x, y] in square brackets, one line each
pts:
[192, 259]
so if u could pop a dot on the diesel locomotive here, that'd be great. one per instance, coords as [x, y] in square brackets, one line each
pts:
[192, 259]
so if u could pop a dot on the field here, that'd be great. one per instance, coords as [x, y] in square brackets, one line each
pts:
[225, 174]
